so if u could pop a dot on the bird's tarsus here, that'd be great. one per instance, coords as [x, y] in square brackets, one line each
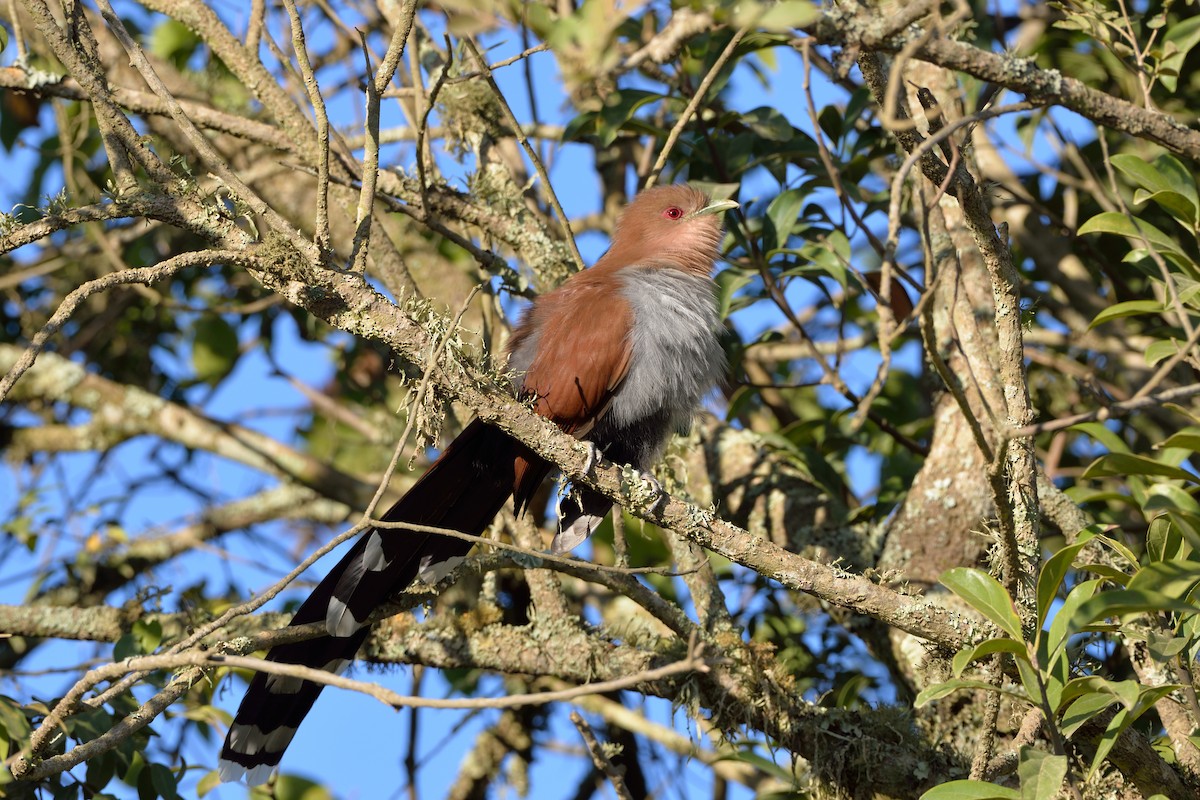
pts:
[594, 455]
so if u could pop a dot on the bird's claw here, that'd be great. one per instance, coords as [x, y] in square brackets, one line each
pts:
[593, 456]
[645, 490]
[655, 484]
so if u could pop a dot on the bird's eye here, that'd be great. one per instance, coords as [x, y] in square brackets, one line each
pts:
[674, 212]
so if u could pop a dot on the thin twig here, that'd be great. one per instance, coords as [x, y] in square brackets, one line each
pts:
[360, 247]
[321, 237]
[526, 551]
[25, 769]
[991, 713]
[1108, 412]
[423, 126]
[523, 140]
[692, 106]
[254, 26]
[599, 759]
[468, 76]
[130, 276]
[375, 86]
[212, 159]
[693, 662]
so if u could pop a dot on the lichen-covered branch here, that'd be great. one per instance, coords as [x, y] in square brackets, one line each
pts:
[864, 31]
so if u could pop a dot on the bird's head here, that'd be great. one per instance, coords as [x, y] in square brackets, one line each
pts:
[670, 226]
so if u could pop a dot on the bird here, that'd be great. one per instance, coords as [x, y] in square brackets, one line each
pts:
[620, 356]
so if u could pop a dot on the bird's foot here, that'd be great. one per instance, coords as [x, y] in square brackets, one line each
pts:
[594, 454]
[645, 490]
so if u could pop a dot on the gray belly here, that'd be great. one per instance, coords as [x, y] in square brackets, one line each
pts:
[675, 359]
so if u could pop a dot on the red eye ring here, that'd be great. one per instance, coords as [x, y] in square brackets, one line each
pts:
[674, 212]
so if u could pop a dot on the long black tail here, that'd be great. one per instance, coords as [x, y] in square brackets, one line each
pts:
[463, 491]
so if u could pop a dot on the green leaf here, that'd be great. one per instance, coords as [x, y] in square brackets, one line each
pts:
[1121, 225]
[1106, 571]
[143, 638]
[1060, 631]
[125, 647]
[1166, 182]
[1160, 350]
[1095, 533]
[985, 594]
[619, 108]
[1129, 308]
[1141, 172]
[1163, 541]
[986, 648]
[1163, 647]
[1180, 179]
[1175, 204]
[946, 688]
[782, 215]
[729, 282]
[1169, 578]
[1188, 439]
[3, 38]
[147, 634]
[1051, 577]
[293, 787]
[1126, 464]
[209, 782]
[1123, 602]
[971, 790]
[173, 41]
[717, 191]
[214, 348]
[164, 782]
[1083, 709]
[1184, 34]
[1098, 431]
[1170, 498]
[1041, 774]
[1033, 686]
[1126, 717]
[1124, 692]
[781, 17]
[769, 124]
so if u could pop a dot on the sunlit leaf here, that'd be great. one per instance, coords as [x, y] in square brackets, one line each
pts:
[1165, 181]
[1051, 577]
[1169, 578]
[1129, 308]
[985, 594]
[214, 348]
[781, 17]
[970, 790]
[1185, 35]
[964, 657]
[1083, 709]
[1060, 631]
[1160, 350]
[1126, 464]
[946, 688]
[1041, 773]
[1122, 602]
[1121, 225]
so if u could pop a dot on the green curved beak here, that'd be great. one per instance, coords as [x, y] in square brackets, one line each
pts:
[715, 207]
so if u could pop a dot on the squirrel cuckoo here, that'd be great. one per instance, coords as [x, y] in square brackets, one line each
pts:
[619, 355]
